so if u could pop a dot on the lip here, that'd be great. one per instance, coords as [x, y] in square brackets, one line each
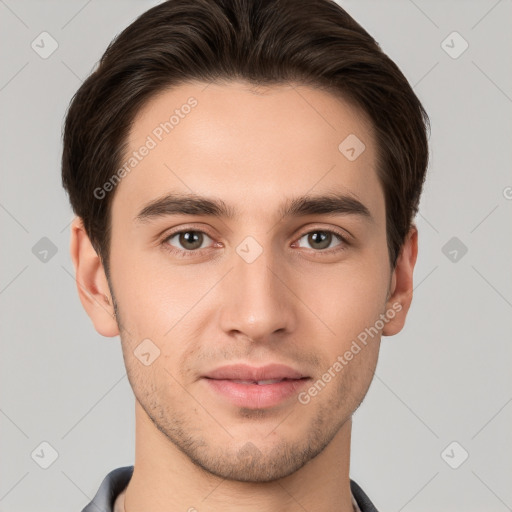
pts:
[222, 382]
[247, 372]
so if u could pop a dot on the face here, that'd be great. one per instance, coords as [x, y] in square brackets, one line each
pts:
[263, 276]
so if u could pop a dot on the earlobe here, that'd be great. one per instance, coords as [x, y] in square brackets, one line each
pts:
[401, 289]
[91, 281]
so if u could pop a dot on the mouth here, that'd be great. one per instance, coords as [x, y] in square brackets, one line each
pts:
[251, 374]
[255, 392]
[265, 382]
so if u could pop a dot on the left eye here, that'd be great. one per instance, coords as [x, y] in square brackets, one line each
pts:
[189, 240]
[321, 239]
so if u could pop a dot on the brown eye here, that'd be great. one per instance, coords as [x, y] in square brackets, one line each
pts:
[322, 239]
[188, 240]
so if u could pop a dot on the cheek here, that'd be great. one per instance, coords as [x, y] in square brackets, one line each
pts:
[151, 297]
[348, 298]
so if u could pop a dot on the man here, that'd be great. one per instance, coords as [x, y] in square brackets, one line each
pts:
[245, 176]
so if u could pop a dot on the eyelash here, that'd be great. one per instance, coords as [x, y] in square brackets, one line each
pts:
[191, 253]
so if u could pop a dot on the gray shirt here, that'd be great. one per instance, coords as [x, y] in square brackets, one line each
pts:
[116, 481]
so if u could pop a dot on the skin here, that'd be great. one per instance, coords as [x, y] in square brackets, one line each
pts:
[294, 304]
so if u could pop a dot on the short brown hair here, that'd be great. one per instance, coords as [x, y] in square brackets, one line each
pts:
[263, 42]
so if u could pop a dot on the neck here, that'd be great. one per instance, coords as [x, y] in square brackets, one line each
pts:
[164, 478]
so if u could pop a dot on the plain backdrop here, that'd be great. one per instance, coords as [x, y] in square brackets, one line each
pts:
[434, 430]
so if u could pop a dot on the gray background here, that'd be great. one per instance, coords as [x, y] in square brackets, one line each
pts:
[446, 378]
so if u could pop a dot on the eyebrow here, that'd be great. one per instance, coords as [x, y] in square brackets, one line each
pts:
[192, 204]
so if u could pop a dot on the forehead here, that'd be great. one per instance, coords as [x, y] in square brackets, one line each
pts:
[251, 146]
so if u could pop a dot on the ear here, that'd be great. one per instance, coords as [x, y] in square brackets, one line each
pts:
[400, 293]
[91, 281]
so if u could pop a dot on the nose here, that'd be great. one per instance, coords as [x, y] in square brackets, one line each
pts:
[257, 300]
